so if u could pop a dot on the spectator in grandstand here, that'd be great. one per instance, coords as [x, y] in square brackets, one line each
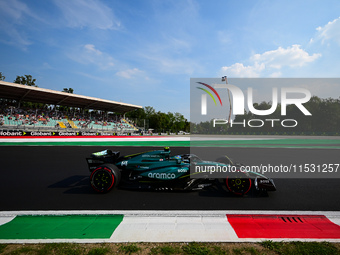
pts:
[43, 116]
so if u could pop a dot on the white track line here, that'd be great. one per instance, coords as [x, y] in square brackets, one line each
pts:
[6, 219]
[126, 139]
[94, 139]
[174, 229]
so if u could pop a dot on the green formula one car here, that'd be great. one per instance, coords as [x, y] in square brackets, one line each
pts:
[158, 170]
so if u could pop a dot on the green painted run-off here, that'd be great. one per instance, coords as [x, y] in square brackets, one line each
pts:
[269, 143]
[61, 227]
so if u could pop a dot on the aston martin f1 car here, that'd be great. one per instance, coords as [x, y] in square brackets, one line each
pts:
[158, 170]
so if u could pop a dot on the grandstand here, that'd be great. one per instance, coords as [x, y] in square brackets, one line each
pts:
[8, 122]
[111, 116]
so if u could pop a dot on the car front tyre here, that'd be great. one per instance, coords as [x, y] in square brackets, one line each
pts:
[239, 184]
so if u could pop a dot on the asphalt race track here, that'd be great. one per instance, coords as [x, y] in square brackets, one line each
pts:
[57, 178]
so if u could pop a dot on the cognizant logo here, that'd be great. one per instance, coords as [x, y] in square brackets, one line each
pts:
[237, 106]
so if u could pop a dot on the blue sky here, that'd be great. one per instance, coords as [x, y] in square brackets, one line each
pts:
[145, 52]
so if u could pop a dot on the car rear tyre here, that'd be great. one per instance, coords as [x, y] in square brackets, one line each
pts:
[104, 178]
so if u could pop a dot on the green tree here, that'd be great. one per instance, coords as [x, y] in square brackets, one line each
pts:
[149, 111]
[26, 80]
[180, 122]
[159, 121]
[136, 114]
[2, 77]
[68, 90]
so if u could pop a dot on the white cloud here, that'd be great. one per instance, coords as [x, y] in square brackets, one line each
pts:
[15, 37]
[165, 63]
[292, 56]
[239, 70]
[275, 75]
[13, 9]
[13, 15]
[87, 13]
[47, 66]
[170, 56]
[91, 48]
[88, 54]
[270, 62]
[129, 73]
[331, 31]
[16, 10]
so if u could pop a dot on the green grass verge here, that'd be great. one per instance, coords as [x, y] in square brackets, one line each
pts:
[323, 248]
[266, 247]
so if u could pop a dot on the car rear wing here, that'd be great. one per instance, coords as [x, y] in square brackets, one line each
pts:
[102, 157]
